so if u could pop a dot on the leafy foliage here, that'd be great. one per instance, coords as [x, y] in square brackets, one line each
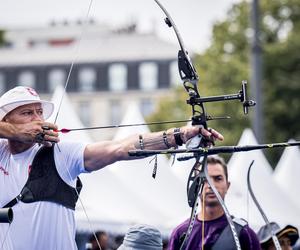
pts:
[226, 63]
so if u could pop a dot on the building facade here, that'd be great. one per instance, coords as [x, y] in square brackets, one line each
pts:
[106, 69]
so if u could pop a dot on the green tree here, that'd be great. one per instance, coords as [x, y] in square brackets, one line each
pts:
[281, 36]
[226, 63]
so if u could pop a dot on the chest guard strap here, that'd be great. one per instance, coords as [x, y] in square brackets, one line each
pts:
[225, 240]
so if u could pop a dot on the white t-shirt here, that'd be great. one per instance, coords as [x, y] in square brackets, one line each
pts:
[38, 225]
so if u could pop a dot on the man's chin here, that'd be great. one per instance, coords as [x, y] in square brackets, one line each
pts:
[212, 203]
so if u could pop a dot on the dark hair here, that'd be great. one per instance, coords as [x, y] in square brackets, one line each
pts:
[98, 235]
[218, 160]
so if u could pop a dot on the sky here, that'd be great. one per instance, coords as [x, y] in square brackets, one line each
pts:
[193, 18]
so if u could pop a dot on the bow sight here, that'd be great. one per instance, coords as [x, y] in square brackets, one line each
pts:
[241, 95]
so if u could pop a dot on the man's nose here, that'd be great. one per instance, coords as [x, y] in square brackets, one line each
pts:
[36, 116]
[206, 185]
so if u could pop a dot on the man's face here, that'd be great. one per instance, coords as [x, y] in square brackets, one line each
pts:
[103, 240]
[26, 113]
[285, 244]
[218, 178]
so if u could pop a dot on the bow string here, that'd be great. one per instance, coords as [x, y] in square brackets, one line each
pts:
[85, 23]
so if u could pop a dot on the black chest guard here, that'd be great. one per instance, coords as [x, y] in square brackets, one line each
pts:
[45, 184]
[225, 240]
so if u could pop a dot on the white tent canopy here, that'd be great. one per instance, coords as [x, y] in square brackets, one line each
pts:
[287, 173]
[277, 206]
[165, 193]
[181, 169]
[110, 204]
[67, 117]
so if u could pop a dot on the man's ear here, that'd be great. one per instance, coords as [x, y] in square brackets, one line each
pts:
[228, 184]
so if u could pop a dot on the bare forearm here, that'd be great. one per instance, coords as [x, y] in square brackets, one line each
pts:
[98, 155]
[7, 131]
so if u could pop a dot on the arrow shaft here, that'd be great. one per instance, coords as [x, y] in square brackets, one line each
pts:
[66, 130]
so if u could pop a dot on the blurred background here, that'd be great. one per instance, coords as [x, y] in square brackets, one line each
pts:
[123, 63]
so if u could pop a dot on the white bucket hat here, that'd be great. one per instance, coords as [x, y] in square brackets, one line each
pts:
[20, 96]
[143, 237]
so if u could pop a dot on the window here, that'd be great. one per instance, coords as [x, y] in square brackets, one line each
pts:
[26, 78]
[2, 83]
[87, 79]
[56, 77]
[85, 113]
[117, 77]
[148, 75]
[175, 79]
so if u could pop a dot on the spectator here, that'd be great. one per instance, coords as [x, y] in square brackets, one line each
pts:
[103, 240]
[287, 236]
[211, 229]
[142, 237]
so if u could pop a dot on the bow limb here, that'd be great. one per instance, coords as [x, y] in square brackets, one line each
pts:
[195, 186]
[188, 71]
[271, 231]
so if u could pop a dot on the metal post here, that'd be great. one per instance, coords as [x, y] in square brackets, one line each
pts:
[256, 72]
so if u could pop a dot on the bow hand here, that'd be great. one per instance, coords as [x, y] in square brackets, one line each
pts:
[204, 138]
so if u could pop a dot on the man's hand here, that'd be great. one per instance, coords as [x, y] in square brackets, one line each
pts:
[36, 131]
[191, 136]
